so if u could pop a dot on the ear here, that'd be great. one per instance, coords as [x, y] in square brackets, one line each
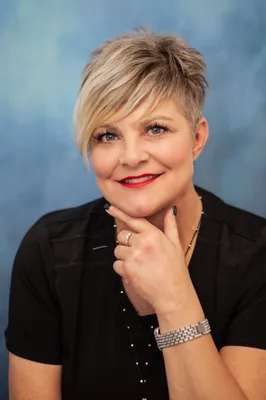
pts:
[201, 135]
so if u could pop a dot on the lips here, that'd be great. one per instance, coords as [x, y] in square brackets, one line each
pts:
[139, 181]
[139, 178]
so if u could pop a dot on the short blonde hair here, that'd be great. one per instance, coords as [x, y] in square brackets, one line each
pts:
[134, 67]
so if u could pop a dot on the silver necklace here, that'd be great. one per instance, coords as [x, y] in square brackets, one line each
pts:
[143, 377]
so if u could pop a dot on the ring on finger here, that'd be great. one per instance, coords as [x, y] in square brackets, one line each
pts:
[128, 235]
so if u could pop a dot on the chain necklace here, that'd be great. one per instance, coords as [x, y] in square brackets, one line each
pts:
[143, 377]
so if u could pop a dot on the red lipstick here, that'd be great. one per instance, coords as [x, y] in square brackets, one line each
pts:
[138, 181]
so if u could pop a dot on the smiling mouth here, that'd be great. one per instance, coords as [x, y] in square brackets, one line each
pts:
[139, 182]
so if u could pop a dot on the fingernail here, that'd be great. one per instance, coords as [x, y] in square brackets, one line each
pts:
[107, 206]
[174, 210]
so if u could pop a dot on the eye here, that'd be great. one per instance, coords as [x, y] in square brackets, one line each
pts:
[105, 137]
[157, 129]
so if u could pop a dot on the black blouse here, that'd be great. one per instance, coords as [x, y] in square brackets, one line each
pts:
[65, 301]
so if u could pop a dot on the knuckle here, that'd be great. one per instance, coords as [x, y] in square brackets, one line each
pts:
[121, 235]
[136, 256]
[116, 251]
[149, 241]
[115, 266]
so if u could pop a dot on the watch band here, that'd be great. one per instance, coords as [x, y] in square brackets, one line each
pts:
[181, 335]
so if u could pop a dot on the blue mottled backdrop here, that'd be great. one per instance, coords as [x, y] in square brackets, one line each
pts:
[43, 48]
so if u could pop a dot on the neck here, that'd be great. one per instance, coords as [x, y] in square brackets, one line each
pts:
[189, 209]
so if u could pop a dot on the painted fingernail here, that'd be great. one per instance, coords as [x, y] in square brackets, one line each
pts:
[107, 206]
[174, 210]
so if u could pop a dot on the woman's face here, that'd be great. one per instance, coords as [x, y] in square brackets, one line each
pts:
[144, 162]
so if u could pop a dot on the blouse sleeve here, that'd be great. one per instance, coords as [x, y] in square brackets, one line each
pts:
[248, 326]
[33, 330]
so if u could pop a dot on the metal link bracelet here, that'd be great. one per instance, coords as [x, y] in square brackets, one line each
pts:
[181, 335]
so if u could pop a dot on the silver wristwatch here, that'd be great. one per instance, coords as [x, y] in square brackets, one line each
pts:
[181, 335]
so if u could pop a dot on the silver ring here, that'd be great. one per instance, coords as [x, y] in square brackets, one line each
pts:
[127, 238]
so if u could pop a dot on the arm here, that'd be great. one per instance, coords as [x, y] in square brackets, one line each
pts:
[29, 380]
[154, 265]
[33, 331]
[195, 369]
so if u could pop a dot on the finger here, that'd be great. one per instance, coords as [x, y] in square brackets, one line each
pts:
[126, 238]
[138, 225]
[121, 252]
[119, 267]
[170, 227]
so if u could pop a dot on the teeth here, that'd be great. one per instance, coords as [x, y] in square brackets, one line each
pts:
[143, 179]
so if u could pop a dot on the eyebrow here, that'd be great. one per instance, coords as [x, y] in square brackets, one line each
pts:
[142, 123]
[153, 117]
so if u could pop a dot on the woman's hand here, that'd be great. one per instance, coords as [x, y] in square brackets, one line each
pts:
[153, 262]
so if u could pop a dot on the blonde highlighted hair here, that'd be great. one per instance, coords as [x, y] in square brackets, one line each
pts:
[134, 67]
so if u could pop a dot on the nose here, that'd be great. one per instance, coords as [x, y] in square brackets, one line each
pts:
[133, 153]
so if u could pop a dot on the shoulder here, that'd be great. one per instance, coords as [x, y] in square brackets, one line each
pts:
[60, 237]
[57, 238]
[240, 270]
[69, 222]
[74, 214]
[239, 224]
[241, 242]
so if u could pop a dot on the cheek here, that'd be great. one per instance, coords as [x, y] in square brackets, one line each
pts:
[174, 154]
[103, 161]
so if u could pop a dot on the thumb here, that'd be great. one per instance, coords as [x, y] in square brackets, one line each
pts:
[170, 226]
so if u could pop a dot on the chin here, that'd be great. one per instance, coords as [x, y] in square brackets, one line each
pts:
[142, 210]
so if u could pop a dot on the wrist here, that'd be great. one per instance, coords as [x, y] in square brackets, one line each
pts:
[178, 314]
[168, 322]
[177, 300]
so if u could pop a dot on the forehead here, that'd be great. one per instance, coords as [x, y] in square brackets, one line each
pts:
[167, 108]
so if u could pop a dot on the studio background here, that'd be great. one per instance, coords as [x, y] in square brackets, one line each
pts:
[43, 49]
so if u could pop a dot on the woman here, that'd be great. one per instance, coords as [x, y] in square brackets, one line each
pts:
[156, 290]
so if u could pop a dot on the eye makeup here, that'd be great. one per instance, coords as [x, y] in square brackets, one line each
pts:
[109, 135]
